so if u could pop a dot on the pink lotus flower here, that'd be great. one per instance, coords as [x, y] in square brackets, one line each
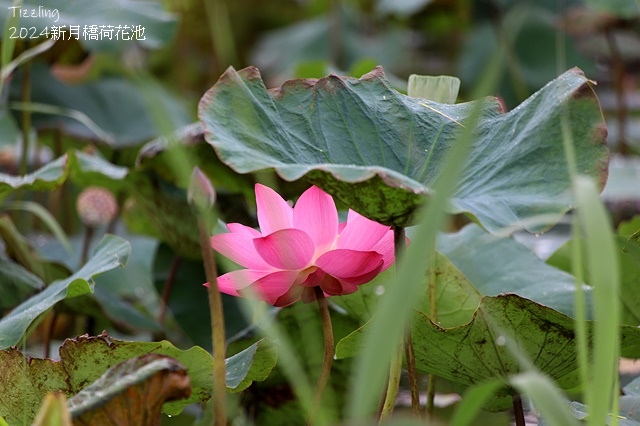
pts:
[302, 247]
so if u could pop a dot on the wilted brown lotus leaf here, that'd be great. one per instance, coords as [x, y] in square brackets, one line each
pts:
[131, 393]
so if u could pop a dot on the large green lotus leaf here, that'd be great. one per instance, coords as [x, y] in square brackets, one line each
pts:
[496, 265]
[380, 152]
[117, 106]
[159, 25]
[456, 298]
[110, 253]
[477, 351]
[629, 267]
[25, 381]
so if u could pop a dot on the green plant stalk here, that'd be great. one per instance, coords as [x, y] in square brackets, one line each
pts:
[329, 352]
[395, 371]
[217, 324]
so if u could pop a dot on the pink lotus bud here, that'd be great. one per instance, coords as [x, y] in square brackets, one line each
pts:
[201, 193]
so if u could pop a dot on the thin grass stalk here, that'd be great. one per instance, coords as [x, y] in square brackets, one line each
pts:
[329, 352]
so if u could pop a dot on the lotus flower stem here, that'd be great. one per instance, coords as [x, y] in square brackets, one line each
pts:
[217, 326]
[329, 352]
[202, 196]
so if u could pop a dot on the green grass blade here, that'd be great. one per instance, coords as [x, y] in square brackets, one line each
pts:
[603, 270]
